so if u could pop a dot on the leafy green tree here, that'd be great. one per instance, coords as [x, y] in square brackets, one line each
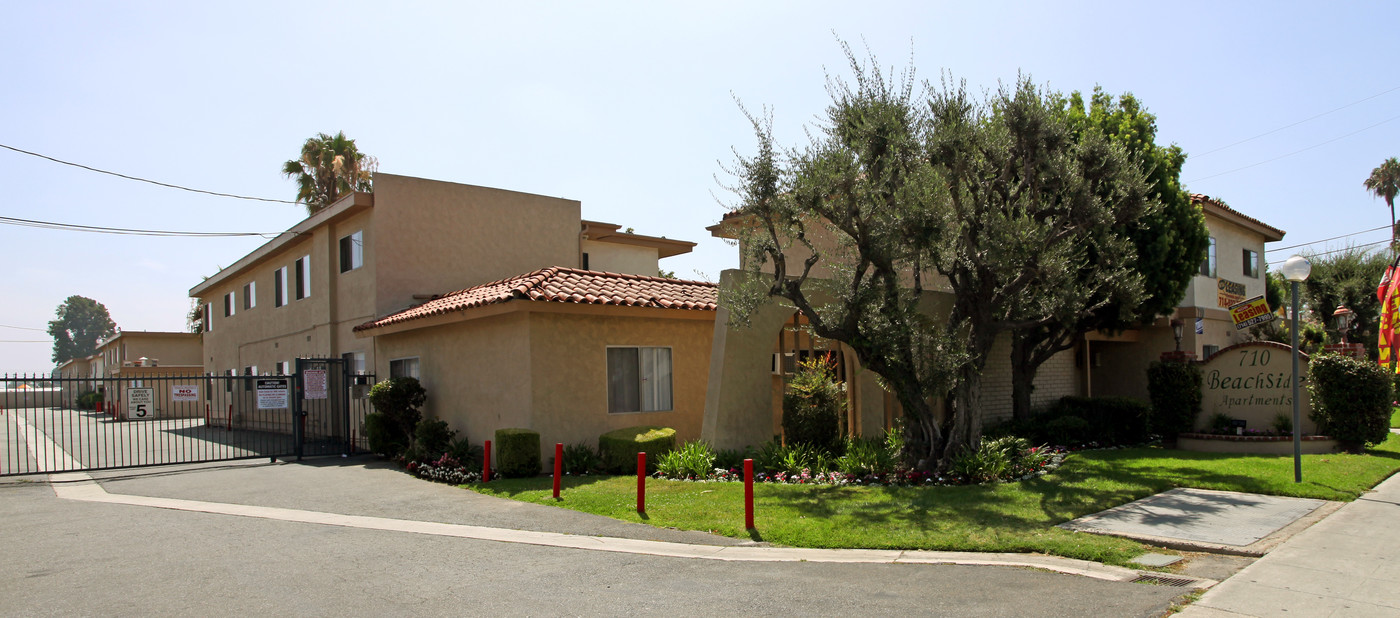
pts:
[1384, 182]
[1168, 244]
[81, 322]
[330, 166]
[995, 201]
[1346, 277]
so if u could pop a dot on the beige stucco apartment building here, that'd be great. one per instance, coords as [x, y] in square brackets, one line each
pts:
[379, 279]
[749, 365]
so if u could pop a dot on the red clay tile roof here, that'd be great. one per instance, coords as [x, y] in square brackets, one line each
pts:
[1201, 198]
[568, 285]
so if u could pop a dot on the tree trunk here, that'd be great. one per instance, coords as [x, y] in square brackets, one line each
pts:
[1022, 378]
[923, 437]
[967, 417]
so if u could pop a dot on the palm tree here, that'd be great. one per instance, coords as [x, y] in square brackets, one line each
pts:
[329, 167]
[1384, 182]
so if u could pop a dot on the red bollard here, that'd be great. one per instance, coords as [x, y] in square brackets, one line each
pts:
[206, 414]
[641, 482]
[748, 494]
[486, 464]
[558, 466]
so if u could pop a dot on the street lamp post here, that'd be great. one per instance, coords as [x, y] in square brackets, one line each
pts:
[1296, 270]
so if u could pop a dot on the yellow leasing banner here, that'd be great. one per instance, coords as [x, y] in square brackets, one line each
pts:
[1251, 312]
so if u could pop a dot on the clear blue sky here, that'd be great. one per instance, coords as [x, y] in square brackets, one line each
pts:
[627, 107]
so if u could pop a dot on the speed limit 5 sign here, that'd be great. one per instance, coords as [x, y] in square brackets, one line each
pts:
[140, 402]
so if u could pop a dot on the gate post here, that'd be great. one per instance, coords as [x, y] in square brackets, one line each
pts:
[298, 426]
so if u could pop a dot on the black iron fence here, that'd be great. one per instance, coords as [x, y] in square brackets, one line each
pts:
[60, 424]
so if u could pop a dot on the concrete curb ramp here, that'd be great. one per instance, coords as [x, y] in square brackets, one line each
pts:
[79, 486]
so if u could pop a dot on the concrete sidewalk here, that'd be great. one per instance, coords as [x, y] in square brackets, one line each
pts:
[1344, 565]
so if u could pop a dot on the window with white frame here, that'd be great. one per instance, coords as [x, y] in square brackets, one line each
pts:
[250, 295]
[303, 268]
[284, 368]
[352, 251]
[639, 379]
[208, 317]
[1208, 265]
[229, 302]
[1251, 263]
[404, 368]
[279, 287]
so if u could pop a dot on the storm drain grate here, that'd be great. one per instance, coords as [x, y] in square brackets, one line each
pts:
[1158, 580]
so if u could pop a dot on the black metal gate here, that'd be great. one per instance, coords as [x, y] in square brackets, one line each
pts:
[61, 424]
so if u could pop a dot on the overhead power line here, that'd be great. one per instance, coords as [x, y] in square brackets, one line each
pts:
[154, 182]
[25, 341]
[1284, 156]
[73, 227]
[40, 330]
[1351, 248]
[1289, 126]
[1374, 229]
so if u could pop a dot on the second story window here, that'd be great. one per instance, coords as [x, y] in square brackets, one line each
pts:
[208, 317]
[352, 251]
[250, 295]
[1208, 266]
[229, 302]
[279, 287]
[1251, 263]
[303, 268]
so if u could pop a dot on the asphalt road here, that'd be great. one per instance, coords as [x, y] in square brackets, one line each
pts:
[67, 557]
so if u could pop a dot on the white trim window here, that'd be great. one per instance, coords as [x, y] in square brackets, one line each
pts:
[352, 251]
[250, 295]
[404, 368]
[208, 317]
[284, 368]
[639, 379]
[1251, 263]
[303, 267]
[279, 287]
[230, 304]
[1208, 264]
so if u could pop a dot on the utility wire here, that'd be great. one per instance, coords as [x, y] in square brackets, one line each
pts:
[1289, 126]
[1351, 248]
[1374, 229]
[23, 328]
[1284, 156]
[74, 227]
[154, 182]
[26, 341]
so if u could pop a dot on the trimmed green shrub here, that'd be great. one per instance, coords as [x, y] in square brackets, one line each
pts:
[580, 459]
[1350, 400]
[618, 448]
[397, 400]
[1065, 430]
[868, 456]
[1112, 420]
[88, 400]
[432, 439]
[694, 459]
[383, 435]
[812, 406]
[1175, 389]
[518, 452]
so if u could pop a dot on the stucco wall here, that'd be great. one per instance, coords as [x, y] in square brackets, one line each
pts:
[619, 258]
[477, 373]
[434, 237]
[568, 357]
[1230, 242]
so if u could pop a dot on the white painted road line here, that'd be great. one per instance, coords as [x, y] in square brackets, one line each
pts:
[79, 486]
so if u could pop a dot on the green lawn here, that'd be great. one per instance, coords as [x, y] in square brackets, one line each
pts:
[1395, 418]
[1008, 517]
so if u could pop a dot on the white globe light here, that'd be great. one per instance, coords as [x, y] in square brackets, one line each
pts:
[1296, 268]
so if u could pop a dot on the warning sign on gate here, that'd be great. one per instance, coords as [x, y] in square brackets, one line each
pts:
[140, 403]
[314, 381]
[272, 393]
[184, 392]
